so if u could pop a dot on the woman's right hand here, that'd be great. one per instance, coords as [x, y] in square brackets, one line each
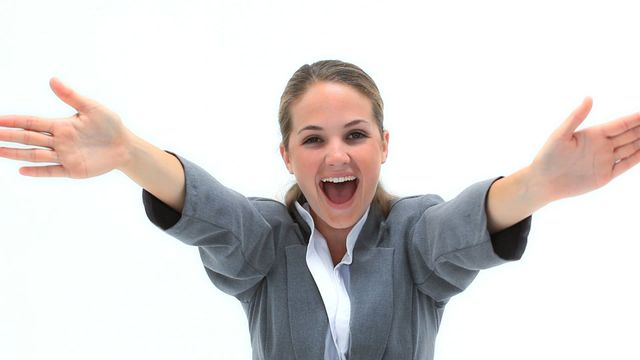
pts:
[91, 142]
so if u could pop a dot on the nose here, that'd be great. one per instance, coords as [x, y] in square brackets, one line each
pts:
[337, 155]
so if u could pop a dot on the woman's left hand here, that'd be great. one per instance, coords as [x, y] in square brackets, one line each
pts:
[575, 162]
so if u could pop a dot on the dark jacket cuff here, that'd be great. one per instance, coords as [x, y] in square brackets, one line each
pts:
[159, 213]
[510, 243]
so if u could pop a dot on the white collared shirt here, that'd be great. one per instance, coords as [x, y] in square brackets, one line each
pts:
[333, 284]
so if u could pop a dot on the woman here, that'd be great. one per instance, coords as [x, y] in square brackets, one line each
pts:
[343, 270]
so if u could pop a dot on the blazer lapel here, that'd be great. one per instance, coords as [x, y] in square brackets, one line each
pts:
[371, 291]
[371, 294]
[307, 316]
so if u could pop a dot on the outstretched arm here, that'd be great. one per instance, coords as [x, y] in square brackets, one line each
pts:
[90, 143]
[570, 163]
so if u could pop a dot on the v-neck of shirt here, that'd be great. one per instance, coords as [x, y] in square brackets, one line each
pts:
[333, 282]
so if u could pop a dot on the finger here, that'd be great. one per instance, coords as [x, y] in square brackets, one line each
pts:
[44, 171]
[31, 155]
[627, 150]
[27, 122]
[576, 118]
[626, 137]
[621, 125]
[626, 164]
[26, 137]
[69, 96]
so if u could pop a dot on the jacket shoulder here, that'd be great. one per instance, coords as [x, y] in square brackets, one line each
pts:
[415, 204]
[272, 210]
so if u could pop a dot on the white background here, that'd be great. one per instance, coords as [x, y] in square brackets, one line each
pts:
[472, 90]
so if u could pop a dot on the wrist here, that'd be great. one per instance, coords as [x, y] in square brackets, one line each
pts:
[513, 198]
[132, 148]
[155, 170]
[534, 187]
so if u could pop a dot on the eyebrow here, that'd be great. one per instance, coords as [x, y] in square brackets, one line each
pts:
[351, 123]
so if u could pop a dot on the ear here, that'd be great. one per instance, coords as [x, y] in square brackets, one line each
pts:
[385, 145]
[285, 158]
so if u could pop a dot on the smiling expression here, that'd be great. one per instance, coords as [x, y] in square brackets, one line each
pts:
[335, 152]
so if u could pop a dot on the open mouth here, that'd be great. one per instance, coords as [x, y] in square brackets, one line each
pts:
[339, 190]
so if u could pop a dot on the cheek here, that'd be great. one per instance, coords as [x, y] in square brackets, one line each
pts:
[371, 174]
[372, 160]
[304, 168]
[371, 179]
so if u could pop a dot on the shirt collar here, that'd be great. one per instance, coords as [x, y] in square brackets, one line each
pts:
[305, 213]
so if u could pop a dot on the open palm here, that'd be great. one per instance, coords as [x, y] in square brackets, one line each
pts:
[90, 143]
[576, 162]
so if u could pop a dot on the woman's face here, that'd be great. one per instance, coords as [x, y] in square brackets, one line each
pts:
[335, 152]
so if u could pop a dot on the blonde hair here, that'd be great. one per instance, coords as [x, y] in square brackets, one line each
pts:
[332, 71]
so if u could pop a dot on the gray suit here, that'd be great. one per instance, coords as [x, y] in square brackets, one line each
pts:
[405, 267]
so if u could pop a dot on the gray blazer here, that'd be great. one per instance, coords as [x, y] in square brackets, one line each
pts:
[405, 266]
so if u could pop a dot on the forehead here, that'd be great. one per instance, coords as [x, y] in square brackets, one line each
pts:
[330, 103]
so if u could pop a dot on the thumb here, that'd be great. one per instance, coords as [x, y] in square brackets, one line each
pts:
[69, 96]
[576, 118]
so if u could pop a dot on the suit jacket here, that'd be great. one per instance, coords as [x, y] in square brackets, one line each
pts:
[405, 266]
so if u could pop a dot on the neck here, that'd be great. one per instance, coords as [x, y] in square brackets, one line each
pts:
[336, 239]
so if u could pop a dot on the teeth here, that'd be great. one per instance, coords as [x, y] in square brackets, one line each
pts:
[339, 179]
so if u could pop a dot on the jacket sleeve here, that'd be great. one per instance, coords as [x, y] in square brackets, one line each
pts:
[450, 242]
[235, 240]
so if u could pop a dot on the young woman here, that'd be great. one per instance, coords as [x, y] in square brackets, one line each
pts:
[342, 270]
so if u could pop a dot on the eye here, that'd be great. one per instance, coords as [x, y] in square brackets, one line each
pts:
[356, 135]
[311, 140]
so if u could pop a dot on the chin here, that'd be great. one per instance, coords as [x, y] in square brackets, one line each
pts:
[343, 217]
[343, 222]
